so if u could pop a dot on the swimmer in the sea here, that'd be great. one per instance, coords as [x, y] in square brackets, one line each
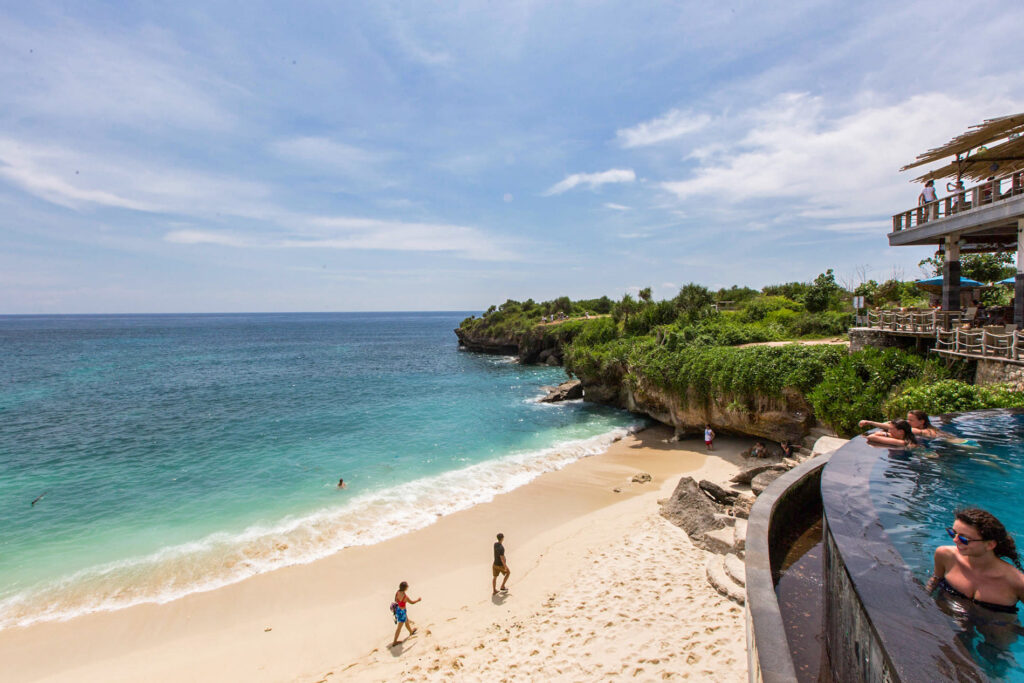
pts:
[342, 484]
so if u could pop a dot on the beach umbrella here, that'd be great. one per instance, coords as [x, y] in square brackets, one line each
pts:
[1012, 280]
[933, 285]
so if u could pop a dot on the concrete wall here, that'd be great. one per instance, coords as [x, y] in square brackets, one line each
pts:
[861, 337]
[769, 535]
[880, 624]
[996, 372]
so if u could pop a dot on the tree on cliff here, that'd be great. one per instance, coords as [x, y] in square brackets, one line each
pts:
[625, 308]
[694, 302]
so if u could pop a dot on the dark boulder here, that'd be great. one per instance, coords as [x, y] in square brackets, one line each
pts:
[566, 391]
[691, 510]
[747, 475]
[717, 493]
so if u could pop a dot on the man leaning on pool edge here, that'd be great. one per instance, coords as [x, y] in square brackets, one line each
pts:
[500, 566]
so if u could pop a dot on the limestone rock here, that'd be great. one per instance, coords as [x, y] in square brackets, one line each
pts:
[717, 493]
[691, 510]
[566, 391]
[741, 508]
[641, 478]
[763, 480]
[747, 475]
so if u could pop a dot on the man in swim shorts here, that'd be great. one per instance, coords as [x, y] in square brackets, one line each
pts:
[500, 566]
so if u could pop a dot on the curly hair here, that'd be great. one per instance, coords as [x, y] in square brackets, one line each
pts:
[991, 529]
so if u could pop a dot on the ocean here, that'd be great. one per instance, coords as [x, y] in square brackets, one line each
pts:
[169, 454]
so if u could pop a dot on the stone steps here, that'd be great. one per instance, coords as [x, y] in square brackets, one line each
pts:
[721, 581]
[729, 539]
[740, 537]
[736, 570]
[720, 541]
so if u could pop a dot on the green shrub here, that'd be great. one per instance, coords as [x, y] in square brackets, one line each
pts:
[858, 386]
[952, 396]
[759, 308]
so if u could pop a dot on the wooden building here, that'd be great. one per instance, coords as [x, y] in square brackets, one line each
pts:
[981, 209]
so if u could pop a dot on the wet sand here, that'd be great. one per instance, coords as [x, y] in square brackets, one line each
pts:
[599, 582]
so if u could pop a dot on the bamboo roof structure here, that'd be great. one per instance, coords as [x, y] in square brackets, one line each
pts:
[1007, 155]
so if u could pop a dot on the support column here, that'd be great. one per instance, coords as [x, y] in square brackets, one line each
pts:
[1018, 285]
[951, 275]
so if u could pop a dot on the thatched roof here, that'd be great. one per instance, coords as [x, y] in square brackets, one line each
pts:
[1009, 155]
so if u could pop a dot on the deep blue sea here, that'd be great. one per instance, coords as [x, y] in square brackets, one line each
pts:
[915, 493]
[178, 453]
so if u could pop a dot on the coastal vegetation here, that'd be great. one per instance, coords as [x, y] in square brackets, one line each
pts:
[703, 347]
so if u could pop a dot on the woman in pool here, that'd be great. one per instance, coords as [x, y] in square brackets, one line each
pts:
[898, 435]
[973, 570]
[919, 423]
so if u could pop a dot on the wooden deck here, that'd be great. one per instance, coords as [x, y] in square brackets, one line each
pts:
[998, 343]
[985, 217]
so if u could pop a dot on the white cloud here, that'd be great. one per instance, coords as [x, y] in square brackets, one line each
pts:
[206, 237]
[592, 180]
[616, 207]
[325, 152]
[840, 169]
[347, 233]
[138, 78]
[82, 180]
[507, 197]
[673, 124]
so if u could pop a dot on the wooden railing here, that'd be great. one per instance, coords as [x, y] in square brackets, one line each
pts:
[985, 194]
[984, 343]
[950, 334]
[915, 321]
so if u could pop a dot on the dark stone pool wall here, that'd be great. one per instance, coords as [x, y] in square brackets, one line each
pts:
[780, 510]
[880, 624]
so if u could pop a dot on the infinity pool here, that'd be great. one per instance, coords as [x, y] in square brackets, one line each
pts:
[915, 493]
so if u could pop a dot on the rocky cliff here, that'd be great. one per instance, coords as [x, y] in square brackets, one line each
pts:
[784, 418]
[538, 345]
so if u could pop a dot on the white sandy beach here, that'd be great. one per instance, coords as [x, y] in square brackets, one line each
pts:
[601, 587]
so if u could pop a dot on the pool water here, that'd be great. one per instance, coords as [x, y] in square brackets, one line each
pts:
[915, 493]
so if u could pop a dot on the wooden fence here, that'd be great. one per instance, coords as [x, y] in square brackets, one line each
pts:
[995, 342]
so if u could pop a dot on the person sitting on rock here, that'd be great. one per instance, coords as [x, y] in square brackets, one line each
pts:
[759, 450]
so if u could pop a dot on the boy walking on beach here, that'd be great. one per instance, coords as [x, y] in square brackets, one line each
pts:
[709, 437]
[500, 566]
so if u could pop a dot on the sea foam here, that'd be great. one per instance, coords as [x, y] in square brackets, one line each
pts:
[221, 559]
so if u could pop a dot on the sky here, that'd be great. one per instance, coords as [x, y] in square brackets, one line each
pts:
[369, 156]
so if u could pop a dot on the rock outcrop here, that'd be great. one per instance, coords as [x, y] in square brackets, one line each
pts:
[566, 391]
[691, 510]
[784, 418]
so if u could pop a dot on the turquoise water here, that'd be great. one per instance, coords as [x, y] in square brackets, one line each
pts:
[915, 493]
[181, 453]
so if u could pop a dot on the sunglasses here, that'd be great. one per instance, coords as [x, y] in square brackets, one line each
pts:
[960, 538]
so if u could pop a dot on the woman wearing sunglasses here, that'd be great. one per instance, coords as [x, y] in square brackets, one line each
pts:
[972, 568]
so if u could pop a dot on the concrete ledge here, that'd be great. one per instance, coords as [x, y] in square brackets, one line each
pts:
[789, 496]
[880, 624]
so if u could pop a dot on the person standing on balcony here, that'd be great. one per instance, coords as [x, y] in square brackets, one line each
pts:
[926, 198]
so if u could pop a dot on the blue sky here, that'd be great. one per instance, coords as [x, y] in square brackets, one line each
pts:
[201, 157]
